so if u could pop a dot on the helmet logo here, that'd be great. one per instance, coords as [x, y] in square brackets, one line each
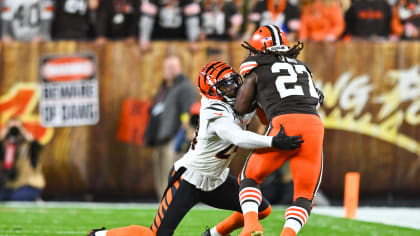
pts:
[267, 39]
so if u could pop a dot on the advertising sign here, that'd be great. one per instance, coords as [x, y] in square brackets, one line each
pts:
[69, 90]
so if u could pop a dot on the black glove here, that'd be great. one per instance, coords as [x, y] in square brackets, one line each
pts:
[320, 95]
[282, 141]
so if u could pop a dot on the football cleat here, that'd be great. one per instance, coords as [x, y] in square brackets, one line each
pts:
[207, 232]
[93, 231]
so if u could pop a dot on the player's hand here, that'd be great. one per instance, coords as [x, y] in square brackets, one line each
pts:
[285, 142]
[320, 96]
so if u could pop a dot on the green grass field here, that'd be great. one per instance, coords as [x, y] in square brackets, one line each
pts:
[29, 220]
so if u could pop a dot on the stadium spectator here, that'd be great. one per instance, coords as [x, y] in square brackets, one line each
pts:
[220, 19]
[26, 20]
[406, 19]
[321, 20]
[21, 177]
[173, 100]
[284, 13]
[293, 105]
[117, 20]
[202, 174]
[186, 133]
[169, 20]
[74, 19]
[368, 19]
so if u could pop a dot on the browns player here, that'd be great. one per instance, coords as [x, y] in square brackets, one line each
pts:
[283, 87]
[202, 174]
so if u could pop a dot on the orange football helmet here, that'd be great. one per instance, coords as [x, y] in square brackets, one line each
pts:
[269, 37]
[217, 80]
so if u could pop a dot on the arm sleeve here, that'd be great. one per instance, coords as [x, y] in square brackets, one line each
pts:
[227, 129]
[5, 28]
[192, 21]
[396, 25]
[47, 13]
[303, 31]
[147, 20]
[6, 19]
[338, 18]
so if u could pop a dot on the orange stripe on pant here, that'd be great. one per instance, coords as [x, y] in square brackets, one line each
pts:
[305, 162]
[163, 207]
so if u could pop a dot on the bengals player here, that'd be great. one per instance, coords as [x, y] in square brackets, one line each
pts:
[283, 87]
[202, 174]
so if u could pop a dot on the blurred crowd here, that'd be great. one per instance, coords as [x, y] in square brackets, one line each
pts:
[194, 20]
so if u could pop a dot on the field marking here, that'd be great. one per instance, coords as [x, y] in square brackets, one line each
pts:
[397, 216]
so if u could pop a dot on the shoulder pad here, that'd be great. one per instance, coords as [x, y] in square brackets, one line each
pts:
[253, 61]
[249, 64]
[216, 110]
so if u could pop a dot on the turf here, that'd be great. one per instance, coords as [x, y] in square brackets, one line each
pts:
[62, 221]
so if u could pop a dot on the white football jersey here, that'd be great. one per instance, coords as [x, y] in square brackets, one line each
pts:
[209, 156]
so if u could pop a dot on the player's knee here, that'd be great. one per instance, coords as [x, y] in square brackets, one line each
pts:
[248, 183]
[304, 203]
[264, 213]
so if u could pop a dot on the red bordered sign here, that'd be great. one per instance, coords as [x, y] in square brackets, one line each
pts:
[69, 90]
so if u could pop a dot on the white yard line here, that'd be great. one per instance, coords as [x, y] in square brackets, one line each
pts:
[399, 216]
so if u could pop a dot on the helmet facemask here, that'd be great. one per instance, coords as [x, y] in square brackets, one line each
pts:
[227, 88]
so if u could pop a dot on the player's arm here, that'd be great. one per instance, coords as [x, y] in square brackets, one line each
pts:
[47, 13]
[6, 19]
[147, 21]
[227, 129]
[192, 21]
[246, 95]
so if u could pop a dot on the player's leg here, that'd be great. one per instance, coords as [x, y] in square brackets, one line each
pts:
[132, 230]
[226, 197]
[260, 164]
[177, 200]
[306, 169]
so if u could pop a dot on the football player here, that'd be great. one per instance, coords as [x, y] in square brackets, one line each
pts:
[283, 87]
[202, 174]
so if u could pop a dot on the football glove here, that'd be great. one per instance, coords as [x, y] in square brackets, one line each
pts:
[320, 96]
[285, 142]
